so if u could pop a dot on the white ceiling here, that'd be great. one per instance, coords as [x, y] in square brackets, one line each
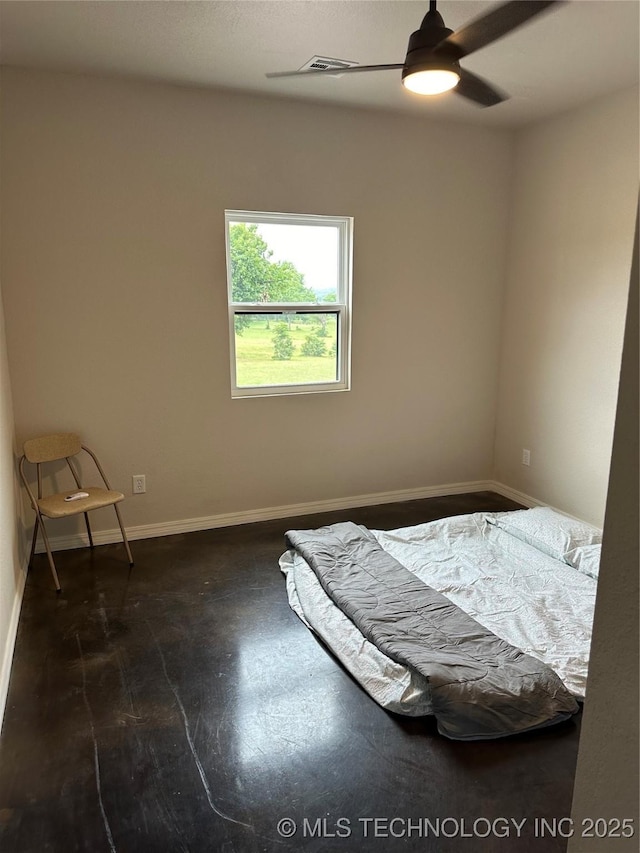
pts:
[570, 55]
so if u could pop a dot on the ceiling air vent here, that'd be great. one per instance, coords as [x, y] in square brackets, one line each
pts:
[322, 63]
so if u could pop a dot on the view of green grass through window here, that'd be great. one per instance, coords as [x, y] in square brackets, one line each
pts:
[284, 264]
[286, 349]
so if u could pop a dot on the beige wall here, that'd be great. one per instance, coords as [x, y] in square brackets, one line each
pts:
[607, 773]
[114, 275]
[12, 544]
[114, 288]
[570, 246]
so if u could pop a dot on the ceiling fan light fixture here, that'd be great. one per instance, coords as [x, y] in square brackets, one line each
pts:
[431, 81]
[432, 62]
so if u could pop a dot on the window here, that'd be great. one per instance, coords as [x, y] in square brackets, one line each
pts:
[289, 286]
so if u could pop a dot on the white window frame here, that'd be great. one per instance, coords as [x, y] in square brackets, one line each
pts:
[341, 307]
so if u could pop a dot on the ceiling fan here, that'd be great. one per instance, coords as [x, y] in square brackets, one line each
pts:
[432, 62]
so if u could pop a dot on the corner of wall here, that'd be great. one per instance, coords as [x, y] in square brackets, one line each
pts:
[572, 205]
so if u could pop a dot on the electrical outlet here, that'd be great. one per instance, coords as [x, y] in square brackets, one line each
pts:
[526, 457]
[139, 484]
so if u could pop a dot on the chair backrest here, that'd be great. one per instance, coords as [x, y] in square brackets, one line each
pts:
[48, 448]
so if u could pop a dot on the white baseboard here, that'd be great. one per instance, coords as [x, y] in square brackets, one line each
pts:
[231, 519]
[528, 501]
[514, 495]
[10, 643]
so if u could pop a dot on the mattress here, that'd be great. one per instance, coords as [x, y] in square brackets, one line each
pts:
[516, 584]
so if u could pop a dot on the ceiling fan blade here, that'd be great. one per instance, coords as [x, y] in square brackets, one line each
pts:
[352, 69]
[478, 90]
[492, 26]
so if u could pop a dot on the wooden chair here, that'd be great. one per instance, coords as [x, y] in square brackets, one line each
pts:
[51, 448]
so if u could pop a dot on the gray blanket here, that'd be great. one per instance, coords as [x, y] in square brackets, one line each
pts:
[481, 686]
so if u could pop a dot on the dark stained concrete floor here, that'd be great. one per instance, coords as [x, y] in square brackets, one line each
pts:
[182, 706]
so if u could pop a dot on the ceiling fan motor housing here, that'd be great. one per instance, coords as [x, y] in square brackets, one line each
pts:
[420, 52]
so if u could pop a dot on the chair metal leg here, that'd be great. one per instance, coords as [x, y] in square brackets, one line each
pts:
[33, 541]
[52, 565]
[86, 519]
[124, 535]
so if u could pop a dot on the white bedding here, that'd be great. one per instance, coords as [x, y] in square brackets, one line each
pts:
[537, 603]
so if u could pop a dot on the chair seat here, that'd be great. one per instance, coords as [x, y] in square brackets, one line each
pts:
[55, 506]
